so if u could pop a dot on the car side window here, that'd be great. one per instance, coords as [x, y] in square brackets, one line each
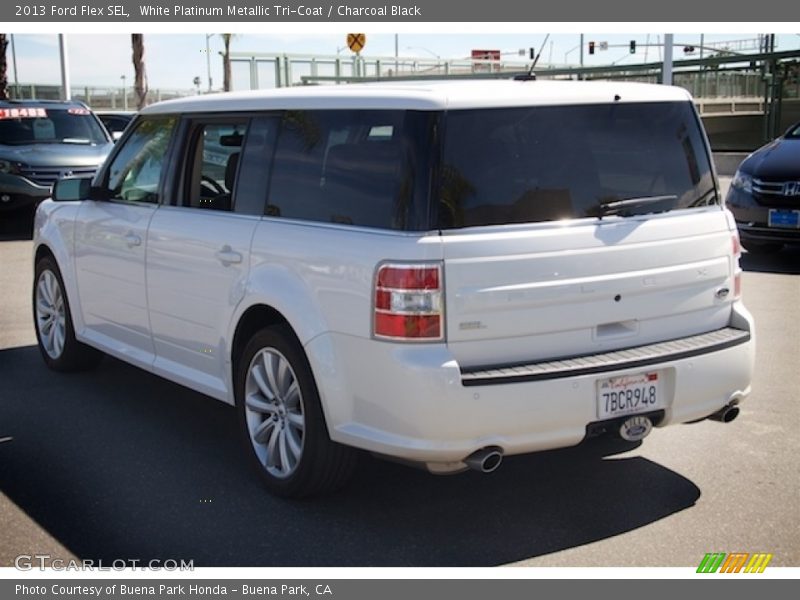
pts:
[214, 164]
[342, 166]
[135, 172]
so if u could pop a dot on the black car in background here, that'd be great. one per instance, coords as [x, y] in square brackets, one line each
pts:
[765, 194]
[42, 141]
[115, 121]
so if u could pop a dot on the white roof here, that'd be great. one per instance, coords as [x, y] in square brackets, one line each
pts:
[434, 95]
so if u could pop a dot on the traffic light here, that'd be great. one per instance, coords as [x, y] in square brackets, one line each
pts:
[688, 49]
[591, 47]
[633, 46]
[533, 53]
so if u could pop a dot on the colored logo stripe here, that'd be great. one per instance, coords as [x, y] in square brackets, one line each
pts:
[711, 562]
[734, 563]
[758, 563]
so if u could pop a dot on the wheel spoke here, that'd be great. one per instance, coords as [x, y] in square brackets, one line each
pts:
[294, 442]
[253, 403]
[296, 420]
[44, 293]
[262, 432]
[271, 449]
[43, 309]
[270, 368]
[283, 378]
[58, 341]
[263, 387]
[47, 325]
[51, 336]
[50, 283]
[285, 465]
[292, 396]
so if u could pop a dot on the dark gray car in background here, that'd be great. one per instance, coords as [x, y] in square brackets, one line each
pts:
[42, 141]
[765, 194]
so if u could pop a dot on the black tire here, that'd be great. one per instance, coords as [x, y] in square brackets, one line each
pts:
[762, 247]
[70, 355]
[321, 465]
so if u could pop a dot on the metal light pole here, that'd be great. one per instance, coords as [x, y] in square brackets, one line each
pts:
[208, 61]
[124, 94]
[666, 72]
[66, 94]
[14, 63]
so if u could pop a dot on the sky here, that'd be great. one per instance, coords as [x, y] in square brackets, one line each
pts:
[173, 60]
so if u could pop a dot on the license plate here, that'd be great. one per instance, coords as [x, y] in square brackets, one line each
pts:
[787, 219]
[629, 394]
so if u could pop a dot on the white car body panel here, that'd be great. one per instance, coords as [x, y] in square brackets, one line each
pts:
[109, 254]
[192, 292]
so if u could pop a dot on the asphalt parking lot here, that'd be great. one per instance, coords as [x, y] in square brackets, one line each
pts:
[118, 464]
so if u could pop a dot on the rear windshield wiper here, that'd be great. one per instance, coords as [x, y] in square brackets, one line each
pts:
[634, 206]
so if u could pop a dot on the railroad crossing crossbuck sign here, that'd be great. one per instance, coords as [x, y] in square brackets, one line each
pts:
[356, 41]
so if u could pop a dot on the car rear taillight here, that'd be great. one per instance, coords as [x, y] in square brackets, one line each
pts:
[737, 270]
[408, 302]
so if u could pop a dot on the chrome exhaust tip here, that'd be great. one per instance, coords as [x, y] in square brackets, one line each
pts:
[485, 460]
[726, 414]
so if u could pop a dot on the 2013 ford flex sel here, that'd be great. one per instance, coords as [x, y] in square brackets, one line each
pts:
[442, 273]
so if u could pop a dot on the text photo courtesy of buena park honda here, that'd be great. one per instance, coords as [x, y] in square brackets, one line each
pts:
[399, 299]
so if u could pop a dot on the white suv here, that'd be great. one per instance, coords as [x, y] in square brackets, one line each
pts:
[442, 273]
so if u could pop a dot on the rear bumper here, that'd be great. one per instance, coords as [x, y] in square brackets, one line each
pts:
[410, 402]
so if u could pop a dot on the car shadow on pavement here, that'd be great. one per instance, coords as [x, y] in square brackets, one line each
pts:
[16, 226]
[787, 261]
[119, 464]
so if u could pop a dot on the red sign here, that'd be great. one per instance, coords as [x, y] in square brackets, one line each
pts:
[22, 113]
[486, 55]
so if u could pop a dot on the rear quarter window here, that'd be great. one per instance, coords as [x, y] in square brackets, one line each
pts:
[550, 163]
[351, 167]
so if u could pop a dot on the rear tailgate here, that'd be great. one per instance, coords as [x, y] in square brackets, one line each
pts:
[524, 293]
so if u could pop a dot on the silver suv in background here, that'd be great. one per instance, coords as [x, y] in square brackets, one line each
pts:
[42, 141]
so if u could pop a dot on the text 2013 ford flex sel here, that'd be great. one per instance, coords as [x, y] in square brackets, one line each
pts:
[442, 273]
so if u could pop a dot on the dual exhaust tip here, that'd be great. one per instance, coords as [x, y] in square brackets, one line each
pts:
[489, 459]
[485, 460]
[726, 414]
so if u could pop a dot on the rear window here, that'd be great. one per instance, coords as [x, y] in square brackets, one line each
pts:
[23, 125]
[549, 163]
[366, 168]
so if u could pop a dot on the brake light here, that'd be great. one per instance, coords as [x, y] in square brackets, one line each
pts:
[408, 302]
[737, 270]
[737, 246]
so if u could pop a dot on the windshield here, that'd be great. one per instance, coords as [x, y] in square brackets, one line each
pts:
[794, 132]
[547, 163]
[24, 125]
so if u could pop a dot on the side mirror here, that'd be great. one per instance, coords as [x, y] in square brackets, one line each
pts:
[70, 189]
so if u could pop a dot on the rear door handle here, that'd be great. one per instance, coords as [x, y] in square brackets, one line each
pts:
[132, 239]
[228, 256]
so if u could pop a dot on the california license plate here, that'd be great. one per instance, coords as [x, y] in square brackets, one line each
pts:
[629, 394]
[788, 219]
